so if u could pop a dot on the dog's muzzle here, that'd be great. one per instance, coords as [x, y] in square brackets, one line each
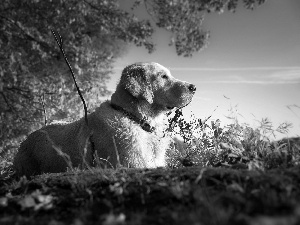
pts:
[192, 88]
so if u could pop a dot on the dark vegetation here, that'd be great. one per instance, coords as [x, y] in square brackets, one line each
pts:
[192, 195]
[227, 175]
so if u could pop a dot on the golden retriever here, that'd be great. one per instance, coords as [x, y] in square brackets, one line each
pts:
[130, 129]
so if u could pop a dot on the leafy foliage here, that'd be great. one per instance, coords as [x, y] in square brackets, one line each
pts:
[235, 145]
[184, 19]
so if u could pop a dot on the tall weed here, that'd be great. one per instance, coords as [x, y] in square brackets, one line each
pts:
[234, 145]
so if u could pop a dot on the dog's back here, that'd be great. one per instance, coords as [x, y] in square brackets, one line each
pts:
[52, 149]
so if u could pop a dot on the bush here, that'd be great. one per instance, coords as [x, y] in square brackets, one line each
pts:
[235, 145]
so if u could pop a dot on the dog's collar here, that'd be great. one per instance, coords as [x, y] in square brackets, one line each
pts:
[142, 122]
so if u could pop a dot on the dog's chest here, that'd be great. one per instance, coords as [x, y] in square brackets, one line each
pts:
[151, 146]
[142, 148]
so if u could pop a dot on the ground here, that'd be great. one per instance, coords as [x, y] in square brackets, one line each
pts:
[191, 195]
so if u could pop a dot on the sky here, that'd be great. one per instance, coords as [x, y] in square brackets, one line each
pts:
[251, 65]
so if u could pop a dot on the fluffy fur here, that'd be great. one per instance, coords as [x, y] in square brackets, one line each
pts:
[147, 91]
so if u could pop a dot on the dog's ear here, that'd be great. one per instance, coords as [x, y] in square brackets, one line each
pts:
[137, 82]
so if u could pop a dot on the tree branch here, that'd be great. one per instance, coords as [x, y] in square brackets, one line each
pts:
[31, 38]
[6, 101]
[18, 91]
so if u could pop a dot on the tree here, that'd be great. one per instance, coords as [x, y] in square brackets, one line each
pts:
[94, 33]
[184, 18]
[33, 75]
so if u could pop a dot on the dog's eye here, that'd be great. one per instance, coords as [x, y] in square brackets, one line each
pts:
[164, 76]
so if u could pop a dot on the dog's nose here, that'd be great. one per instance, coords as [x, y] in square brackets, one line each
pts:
[192, 88]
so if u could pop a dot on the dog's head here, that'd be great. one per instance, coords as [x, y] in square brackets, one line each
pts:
[155, 84]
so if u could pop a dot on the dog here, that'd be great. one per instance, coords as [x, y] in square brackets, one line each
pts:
[130, 129]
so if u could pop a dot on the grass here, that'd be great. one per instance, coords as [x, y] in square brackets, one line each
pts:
[227, 175]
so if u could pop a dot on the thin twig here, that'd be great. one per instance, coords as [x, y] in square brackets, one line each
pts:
[117, 153]
[59, 42]
[58, 150]
[44, 108]
[6, 101]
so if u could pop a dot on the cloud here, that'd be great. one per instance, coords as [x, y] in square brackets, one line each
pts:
[262, 82]
[201, 98]
[233, 68]
[287, 75]
[253, 75]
